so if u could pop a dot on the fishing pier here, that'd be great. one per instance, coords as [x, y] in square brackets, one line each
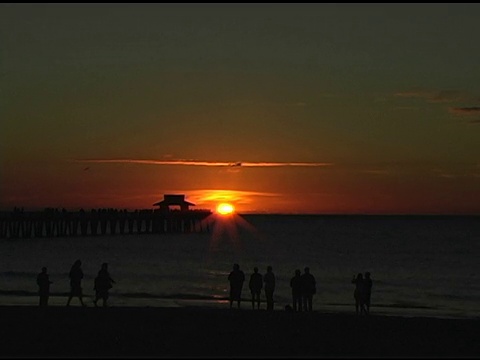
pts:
[61, 223]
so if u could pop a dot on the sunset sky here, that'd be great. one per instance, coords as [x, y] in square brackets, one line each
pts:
[279, 108]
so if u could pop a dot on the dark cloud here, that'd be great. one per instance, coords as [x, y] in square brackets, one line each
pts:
[467, 111]
[472, 110]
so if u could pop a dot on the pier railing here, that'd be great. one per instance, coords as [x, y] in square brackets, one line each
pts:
[56, 223]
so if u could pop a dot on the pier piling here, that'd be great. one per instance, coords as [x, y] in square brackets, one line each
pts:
[55, 223]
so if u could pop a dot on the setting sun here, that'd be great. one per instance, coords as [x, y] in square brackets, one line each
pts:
[225, 209]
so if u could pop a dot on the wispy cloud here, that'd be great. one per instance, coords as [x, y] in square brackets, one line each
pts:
[297, 104]
[446, 96]
[204, 163]
[460, 171]
[377, 171]
[401, 108]
[279, 103]
[236, 196]
[435, 96]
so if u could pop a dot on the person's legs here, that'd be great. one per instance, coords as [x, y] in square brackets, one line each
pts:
[269, 295]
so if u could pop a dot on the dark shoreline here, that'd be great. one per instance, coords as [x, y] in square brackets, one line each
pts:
[27, 331]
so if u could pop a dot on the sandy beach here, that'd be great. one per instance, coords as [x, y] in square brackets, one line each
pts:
[28, 331]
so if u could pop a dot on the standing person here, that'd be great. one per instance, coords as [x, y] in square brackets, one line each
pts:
[308, 289]
[296, 285]
[269, 280]
[43, 282]
[103, 283]
[368, 291]
[255, 285]
[236, 279]
[76, 276]
[359, 293]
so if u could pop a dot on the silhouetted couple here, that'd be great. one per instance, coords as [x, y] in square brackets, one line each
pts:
[256, 283]
[103, 283]
[362, 293]
[303, 288]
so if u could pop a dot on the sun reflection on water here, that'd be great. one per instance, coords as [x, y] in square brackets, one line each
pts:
[227, 229]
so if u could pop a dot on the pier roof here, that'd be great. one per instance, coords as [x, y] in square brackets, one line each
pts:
[173, 199]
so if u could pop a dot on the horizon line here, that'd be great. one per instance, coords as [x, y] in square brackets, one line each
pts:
[39, 209]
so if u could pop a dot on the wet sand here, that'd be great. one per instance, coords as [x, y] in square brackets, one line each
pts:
[27, 331]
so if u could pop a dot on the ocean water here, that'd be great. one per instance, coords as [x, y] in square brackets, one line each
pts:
[420, 265]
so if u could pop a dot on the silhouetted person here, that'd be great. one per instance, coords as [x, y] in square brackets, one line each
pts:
[368, 291]
[359, 293]
[308, 289]
[296, 285]
[76, 276]
[255, 285]
[103, 283]
[43, 282]
[269, 280]
[236, 279]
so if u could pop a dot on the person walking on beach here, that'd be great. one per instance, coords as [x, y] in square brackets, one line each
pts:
[236, 279]
[269, 280]
[103, 283]
[76, 276]
[255, 285]
[296, 285]
[308, 289]
[43, 282]
[368, 292]
[359, 293]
